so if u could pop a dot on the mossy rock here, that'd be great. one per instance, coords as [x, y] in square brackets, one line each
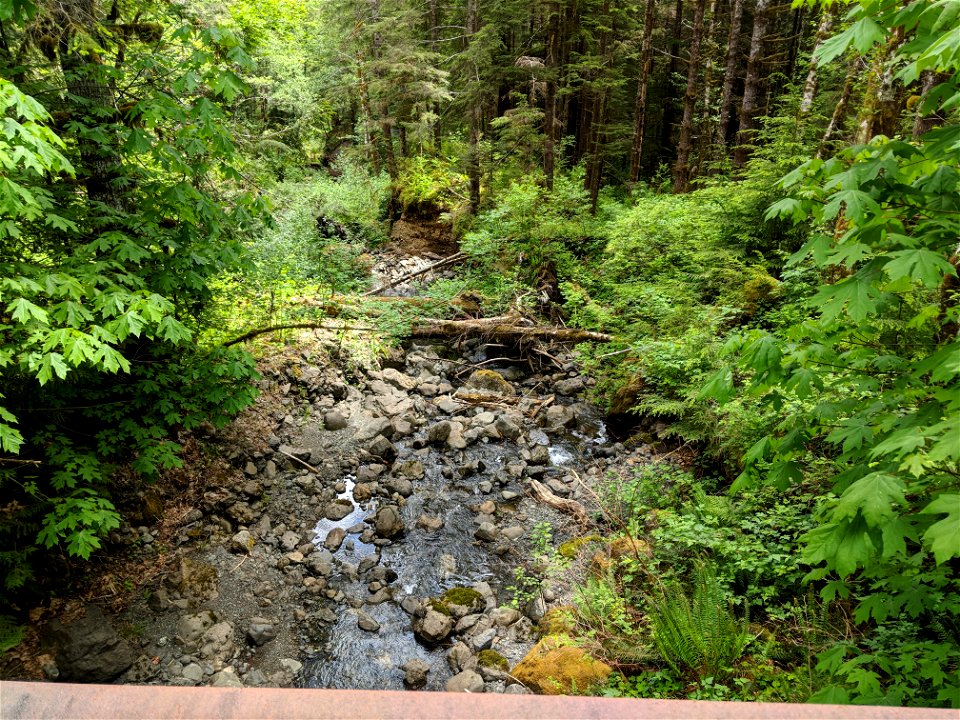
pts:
[760, 291]
[492, 659]
[467, 599]
[490, 381]
[629, 546]
[556, 667]
[441, 607]
[560, 620]
[570, 548]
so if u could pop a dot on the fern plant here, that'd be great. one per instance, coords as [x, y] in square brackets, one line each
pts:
[697, 633]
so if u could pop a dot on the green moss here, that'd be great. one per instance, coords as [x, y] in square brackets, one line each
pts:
[466, 597]
[492, 659]
[570, 548]
[441, 607]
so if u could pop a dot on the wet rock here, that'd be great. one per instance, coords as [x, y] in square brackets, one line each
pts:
[364, 491]
[334, 539]
[291, 666]
[466, 681]
[89, 649]
[338, 509]
[367, 623]
[438, 434]
[514, 532]
[242, 542]
[489, 381]
[571, 386]
[460, 658]
[433, 627]
[320, 563]
[388, 522]
[411, 469]
[415, 673]
[382, 448]
[487, 532]
[558, 416]
[334, 420]
[261, 631]
[483, 640]
[369, 473]
[507, 428]
[400, 485]
[465, 623]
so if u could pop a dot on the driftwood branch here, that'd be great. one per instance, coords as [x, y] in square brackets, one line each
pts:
[291, 326]
[571, 507]
[449, 260]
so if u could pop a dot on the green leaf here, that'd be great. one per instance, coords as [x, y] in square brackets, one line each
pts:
[943, 537]
[874, 497]
[919, 264]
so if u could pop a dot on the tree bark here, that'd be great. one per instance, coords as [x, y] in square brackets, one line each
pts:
[681, 174]
[810, 86]
[669, 103]
[550, 102]
[473, 159]
[730, 73]
[752, 85]
[840, 110]
[434, 38]
[383, 109]
[643, 88]
[924, 123]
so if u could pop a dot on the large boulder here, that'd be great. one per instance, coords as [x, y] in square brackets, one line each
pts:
[556, 667]
[488, 382]
[89, 649]
[388, 522]
[466, 681]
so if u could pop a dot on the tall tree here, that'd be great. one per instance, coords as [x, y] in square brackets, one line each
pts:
[681, 173]
[725, 115]
[640, 110]
[752, 84]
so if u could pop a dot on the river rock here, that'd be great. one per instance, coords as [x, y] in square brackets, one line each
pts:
[382, 448]
[483, 640]
[367, 623]
[192, 672]
[411, 469]
[242, 542]
[461, 658]
[289, 540]
[400, 485]
[514, 532]
[487, 532]
[334, 539]
[320, 563]
[364, 491]
[489, 381]
[226, 678]
[571, 386]
[261, 630]
[415, 673]
[558, 416]
[388, 522]
[438, 433]
[466, 681]
[191, 627]
[504, 616]
[334, 420]
[217, 641]
[507, 428]
[89, 649]
[338, 509]
[433, 627]
[370, 427]
[429, 523]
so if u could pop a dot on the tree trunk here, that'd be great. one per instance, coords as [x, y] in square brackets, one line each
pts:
[881, 108]
[840, 110]
[473, 160]
[681, 174]
[643, 87]
[810, 86]
[434, 38]
[386, 125]
[670, 103]
[924, 123]
[598, 127]
[752, 85]
[92, 102]
[550, 103]
[366, 116]
[730, 73]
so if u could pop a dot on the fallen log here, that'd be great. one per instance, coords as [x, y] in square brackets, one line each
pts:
[504, 326]
[571, 507]
[449, 260]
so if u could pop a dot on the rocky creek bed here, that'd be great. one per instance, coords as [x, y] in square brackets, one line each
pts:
[363, 533]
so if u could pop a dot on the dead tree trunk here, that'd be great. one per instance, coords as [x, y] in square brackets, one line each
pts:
[681, 173]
